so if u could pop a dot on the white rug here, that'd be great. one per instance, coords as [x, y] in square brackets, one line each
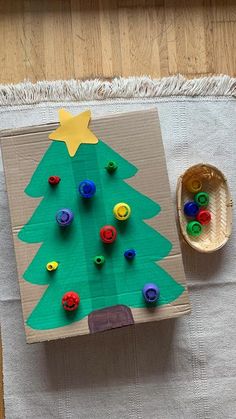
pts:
[176, 369]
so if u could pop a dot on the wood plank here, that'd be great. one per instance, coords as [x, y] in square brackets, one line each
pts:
[105, 38]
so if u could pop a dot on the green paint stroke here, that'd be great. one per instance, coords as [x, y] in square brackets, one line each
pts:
[118, 281]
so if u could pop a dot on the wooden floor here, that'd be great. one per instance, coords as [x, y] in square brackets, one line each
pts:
[64, 39]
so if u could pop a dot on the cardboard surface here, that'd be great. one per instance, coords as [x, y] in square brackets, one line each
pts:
[136, 137]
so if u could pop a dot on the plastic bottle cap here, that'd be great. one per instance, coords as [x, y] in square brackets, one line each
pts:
[52, 266]
[54, 180]
[111, 166]
[99, 260]
[151, 293]
[191, 209]
[87, 188]
[129, 254]
[194, 228]
[108, 234]
[194, 184]
[70, 301]
[122, 211]
[64, 217]
[204, 217]
[202, 199]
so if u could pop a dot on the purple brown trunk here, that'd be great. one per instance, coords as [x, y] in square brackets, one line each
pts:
[110, 318]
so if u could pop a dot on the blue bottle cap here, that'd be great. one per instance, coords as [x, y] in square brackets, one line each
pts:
[151, 293]
[129, 254]
[64, 217]
[191, 209]
[87, 188]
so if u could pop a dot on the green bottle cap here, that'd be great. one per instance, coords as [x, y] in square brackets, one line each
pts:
[99, 260]
[194, 228]
[111, 166]
[202, 199]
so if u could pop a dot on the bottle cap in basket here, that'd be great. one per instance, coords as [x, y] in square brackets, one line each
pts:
[191, 209]
[202, 199]
[204, 217]
[194, 184]
[194, 228]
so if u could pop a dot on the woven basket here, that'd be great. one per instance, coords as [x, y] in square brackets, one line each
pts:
[214, 235]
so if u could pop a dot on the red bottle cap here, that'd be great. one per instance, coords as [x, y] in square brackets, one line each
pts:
[108, 234]
[203, 217]
[54, 180]
[70, 301]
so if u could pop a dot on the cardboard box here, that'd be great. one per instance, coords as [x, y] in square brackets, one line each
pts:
[136, 137]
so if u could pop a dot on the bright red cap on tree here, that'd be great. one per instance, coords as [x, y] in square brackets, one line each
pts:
[54, 180]
[108, 234]
[70, 301]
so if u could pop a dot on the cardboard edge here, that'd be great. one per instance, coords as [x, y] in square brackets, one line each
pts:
[6, 133]
[177, 310]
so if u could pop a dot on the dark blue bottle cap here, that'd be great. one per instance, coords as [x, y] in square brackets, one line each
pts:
[151, 293]
[129, 254]
[64, 217]
[87, 188]
[191, 209]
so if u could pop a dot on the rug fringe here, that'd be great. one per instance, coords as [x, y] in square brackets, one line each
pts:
[132, 87]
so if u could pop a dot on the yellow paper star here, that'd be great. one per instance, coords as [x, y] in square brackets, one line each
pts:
[73, 130]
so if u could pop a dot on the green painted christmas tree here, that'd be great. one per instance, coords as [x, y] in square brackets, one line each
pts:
[118, 281]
